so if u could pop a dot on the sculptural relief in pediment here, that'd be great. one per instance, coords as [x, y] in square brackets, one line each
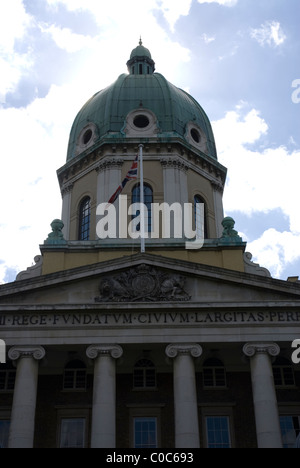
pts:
[143, 284]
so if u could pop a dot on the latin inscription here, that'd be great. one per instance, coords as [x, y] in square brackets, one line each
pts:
[146, 319]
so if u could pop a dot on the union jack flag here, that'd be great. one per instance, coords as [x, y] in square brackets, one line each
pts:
[132, 174]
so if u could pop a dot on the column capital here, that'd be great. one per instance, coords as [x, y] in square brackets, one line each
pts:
[110, 163]
[66, 188]
[251, 349]
[114, 351]
[192, 349]
[36, 352]
[174, 162]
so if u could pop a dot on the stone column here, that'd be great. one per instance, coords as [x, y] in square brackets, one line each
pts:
[21, 434]
[218, 190]
[66, 209]
[264, 394]
[175, 184]
[185, 394]
[109, 178]
[104, 396]
[175, 180]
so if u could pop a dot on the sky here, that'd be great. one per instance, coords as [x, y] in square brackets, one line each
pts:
[238, 58]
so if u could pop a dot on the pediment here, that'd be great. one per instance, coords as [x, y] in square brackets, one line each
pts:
[151, 279]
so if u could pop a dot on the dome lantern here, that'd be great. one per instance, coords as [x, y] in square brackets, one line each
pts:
[140, 62]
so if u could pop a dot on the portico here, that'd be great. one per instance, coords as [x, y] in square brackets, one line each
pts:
[109, 365]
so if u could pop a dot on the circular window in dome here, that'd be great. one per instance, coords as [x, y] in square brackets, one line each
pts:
[195, 135]
[141, 121]
[87, 136]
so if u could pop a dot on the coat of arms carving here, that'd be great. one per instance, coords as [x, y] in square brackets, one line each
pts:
[143, 284]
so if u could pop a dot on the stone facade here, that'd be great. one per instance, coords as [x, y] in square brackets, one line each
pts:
[240, 320]
[173, 348]
[235, 400]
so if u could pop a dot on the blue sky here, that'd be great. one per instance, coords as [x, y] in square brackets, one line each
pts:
[238, 58]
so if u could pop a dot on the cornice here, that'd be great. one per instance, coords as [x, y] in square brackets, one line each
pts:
[291, 290]
[155, 148]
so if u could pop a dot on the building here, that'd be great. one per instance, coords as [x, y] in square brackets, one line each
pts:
[112, 347]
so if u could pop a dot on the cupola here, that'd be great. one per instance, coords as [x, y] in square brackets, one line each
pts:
[140, 62]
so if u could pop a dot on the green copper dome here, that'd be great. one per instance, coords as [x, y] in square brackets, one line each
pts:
[103, 118]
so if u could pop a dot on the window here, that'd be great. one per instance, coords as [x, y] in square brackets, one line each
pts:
[145, 433]
[72, 433]
[87, 136]
[7, 378]
[195, 135]
[214, 375]
[283, 373]
[290, 430]
[141, 121]
[144, 374]
[4, 433]
[218, 432]
[148, 200]
[84, 219]
[198, 199]
[75, 376]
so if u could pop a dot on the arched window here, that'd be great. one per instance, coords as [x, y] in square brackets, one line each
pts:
[84, 219]
[148, 200]
[198, 199]
[283, 373]
[75, 376]
[214, 375]
[144, 374]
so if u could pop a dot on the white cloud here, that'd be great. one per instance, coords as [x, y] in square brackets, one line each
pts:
[12, 68]
[67, 40]
[270, 33]
[236, 130]
[260, 180]
[119, 33]
[14, 23]
[174, 9]
[33, 149]
[228, 3]
[109, 13]
[208, 39]
[275, 250]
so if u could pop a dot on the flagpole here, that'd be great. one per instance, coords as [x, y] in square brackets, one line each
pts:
[143, 234]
